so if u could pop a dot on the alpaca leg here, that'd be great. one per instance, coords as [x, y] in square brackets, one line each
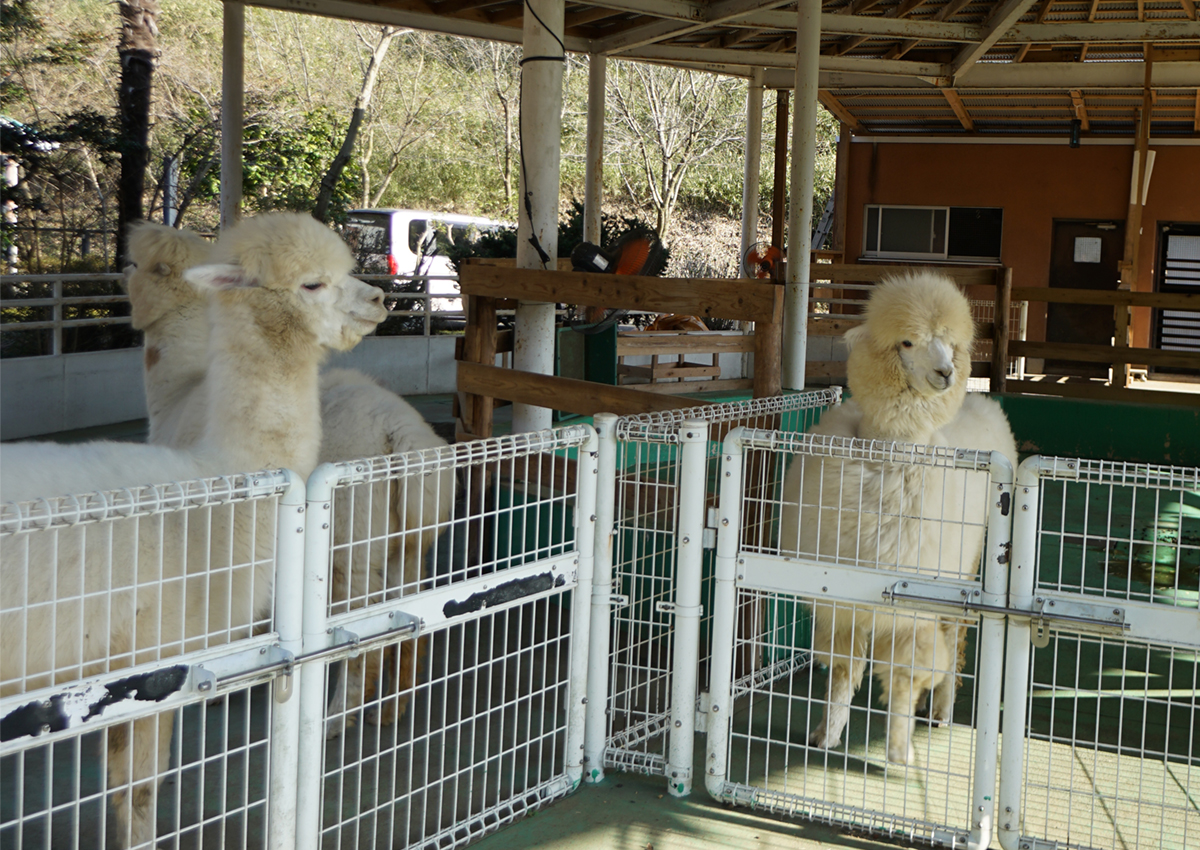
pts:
[412, 656]
[336, 718]
[846, 669]
[901, 690]
[135, 803]
[942, 708]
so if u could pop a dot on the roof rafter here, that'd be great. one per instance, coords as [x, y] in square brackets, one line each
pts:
[1080, 108]
[718, 13]
[896, 12]
[836, 107]
[964, 117]
[1041, 16]
[945, 13]
[998, 24]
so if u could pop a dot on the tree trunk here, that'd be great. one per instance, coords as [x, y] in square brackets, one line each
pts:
[334, 174]
[138, 52]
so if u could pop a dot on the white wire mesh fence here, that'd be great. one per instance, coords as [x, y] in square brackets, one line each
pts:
[137, 628]
[1101, 704]
[859, 554]
[462, 633]
[645, 591]
[842, 647]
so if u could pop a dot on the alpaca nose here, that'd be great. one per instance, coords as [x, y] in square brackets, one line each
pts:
[946, 373]
[376, 297]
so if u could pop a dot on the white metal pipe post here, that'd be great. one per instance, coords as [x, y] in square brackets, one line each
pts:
[596, 724]
[689, 566]
[232, 89]
[593, 175]
[804, 153]
[541, 137]
[750, 188]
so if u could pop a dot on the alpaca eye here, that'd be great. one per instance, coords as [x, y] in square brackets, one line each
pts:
[313, 287]
[906, 344]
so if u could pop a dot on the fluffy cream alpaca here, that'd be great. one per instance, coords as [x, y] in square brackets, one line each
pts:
[907, 373]
[271, 322]
[360, 419]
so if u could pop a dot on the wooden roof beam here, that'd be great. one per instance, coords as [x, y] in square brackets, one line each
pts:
[587, 16]
[1189, 8]
[839, 111]
[1041, 16]
[847, 44]
[1002, 19]
[1080, 108]
[451, 7]
[716, 14]
[960, 110]
[1196, 113]
[949, 10]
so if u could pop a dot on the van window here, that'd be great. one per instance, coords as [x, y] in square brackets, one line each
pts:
[367, 236]
[445, 235]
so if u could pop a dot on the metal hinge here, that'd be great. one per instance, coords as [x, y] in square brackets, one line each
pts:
[711, 520]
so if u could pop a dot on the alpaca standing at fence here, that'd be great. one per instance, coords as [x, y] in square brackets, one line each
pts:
[279, 297]
[360, 419]
[907, 373]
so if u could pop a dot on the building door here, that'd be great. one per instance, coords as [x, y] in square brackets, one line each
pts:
[1178, 270]
[1084, 256]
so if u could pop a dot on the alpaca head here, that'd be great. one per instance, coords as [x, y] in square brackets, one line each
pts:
[910, 360]
[154, 281]
[299, 272]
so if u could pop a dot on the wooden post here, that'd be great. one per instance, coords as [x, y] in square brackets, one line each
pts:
[484, 406]
[1133, 229]
[768, 350]
[781, 152]
[1001, 330]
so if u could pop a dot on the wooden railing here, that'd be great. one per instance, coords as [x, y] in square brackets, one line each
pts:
[1119, 355]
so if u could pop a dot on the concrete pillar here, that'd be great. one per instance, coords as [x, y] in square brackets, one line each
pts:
[804, 151]
[750, 190]
[541, 137]
[232, 91]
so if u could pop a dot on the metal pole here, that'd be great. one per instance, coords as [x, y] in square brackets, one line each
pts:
[232, 111]
[750, 189]
[593, 179]
[596, 726]
[693, 470]
[804, 153]
[232, 89]
[724, 626]
[289, 623]
[541, 138]
[581, 610]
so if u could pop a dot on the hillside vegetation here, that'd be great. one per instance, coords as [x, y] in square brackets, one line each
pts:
[438, 129]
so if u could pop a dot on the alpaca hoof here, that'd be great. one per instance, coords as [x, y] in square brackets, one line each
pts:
[388, 713]
[820, 739]
[901, 754]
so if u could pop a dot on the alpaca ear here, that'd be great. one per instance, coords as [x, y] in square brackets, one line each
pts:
[854, 336]
[219, 276]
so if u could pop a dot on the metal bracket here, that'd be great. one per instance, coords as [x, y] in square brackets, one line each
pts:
[669, 608]
[618, 600]
[711, 521]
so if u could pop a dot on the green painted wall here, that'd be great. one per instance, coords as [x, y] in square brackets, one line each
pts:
[1104, 430]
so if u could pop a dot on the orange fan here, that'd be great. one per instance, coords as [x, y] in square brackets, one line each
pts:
[761, 261]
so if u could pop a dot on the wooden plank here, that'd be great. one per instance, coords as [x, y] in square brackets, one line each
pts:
[641, 342]
[832, 327]
[1000, 329]
[745, 300]
[1105, 354]
[483, 405]
[871, 272]
[504, 341]
[564, 263]
[826, 368]
[677, 387]
[1055, 295]
[1104, 393]
[671, 370]
[569, 394]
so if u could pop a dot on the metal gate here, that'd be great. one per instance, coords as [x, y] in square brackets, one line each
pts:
[1101, 702]
[653, 584]
[462, 636]
[147, 636]
[860, 553]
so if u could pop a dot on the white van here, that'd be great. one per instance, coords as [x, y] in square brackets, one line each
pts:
[414, 242]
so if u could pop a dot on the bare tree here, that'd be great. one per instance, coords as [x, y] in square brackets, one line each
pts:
[667, 120]
[361, 104]
[138, 52]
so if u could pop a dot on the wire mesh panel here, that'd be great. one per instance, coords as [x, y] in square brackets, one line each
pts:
[1102, 739]
[646, 534]
[855, 585]
[138, 628]
[459, 582]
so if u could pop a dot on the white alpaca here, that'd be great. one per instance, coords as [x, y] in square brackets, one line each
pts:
[278, 298]
[360, 419]
[907, 373]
